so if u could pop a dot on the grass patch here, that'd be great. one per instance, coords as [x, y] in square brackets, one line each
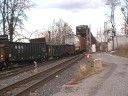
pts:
[84, 71]
[122, 51]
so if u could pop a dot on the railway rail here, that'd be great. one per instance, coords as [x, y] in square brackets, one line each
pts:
[17, 71]
[39, 79]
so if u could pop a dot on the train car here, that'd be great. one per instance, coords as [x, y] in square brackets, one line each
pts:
[41, 46]
[26, 51]
[69, 49]
[38, 40]
[56, 51]
[78, 41]
[52, 51]
[83, 31]
[13, 52]
[82, 43]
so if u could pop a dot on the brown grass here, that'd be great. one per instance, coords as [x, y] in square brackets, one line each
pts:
[122, 51]
[84, 73]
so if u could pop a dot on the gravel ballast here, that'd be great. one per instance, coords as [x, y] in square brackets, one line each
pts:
[109, 82]
[19, 77]
[61, 79]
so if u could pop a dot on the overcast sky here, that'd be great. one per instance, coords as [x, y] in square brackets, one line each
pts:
[75, 12]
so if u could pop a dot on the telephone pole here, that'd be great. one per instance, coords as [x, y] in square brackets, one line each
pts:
[106, 35]
[88, 37]
[49, 36]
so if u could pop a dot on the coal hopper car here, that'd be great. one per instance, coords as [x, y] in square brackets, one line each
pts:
[18, 52]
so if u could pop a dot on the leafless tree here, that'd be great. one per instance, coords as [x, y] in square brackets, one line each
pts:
[124, 10]
[100, 35]
[19, 35]
[57, 31]
[13, 12]
[112, 5]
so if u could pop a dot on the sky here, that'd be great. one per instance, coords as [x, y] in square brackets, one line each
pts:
[75, 12]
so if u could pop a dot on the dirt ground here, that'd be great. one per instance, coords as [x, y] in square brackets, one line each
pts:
[111, 82]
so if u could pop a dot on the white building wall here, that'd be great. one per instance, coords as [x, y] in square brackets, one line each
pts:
[110, 44]
[93, 47]
[120, 40]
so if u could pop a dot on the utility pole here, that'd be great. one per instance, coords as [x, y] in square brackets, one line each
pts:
[87, 40]
[49, 36]
[113, 35]
[90, 38]
[125, 29]
[101, 39]
[98, 37]
[106, 35]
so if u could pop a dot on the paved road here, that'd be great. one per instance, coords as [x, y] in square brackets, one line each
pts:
[115, 81]
[111, 82]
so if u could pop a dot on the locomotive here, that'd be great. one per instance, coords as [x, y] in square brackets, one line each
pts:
[38, 49]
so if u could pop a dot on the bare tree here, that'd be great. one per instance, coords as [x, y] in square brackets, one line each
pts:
[13, 14]
[57, 31]
[100, 35]
[112, 5]
[124, 10]
[19, 36]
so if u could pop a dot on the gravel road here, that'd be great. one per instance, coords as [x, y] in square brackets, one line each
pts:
[111, 82]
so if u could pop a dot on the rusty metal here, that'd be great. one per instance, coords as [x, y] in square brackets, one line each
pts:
[36, 76]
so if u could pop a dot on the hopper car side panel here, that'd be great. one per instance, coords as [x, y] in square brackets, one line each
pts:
[27, 51]
[56, 51]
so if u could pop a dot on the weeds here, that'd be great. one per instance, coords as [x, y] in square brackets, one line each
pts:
[122, 51]
[84, 71]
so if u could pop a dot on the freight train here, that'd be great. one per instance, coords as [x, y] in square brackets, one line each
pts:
[38, 50]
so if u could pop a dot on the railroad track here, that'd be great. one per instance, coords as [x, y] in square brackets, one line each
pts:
[38, 79]
[14, 72]
[17, 71]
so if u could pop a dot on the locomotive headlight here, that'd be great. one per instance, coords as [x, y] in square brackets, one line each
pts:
[1, 56]
[10, 55]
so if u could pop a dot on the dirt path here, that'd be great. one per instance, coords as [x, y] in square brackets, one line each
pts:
[110, 82]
